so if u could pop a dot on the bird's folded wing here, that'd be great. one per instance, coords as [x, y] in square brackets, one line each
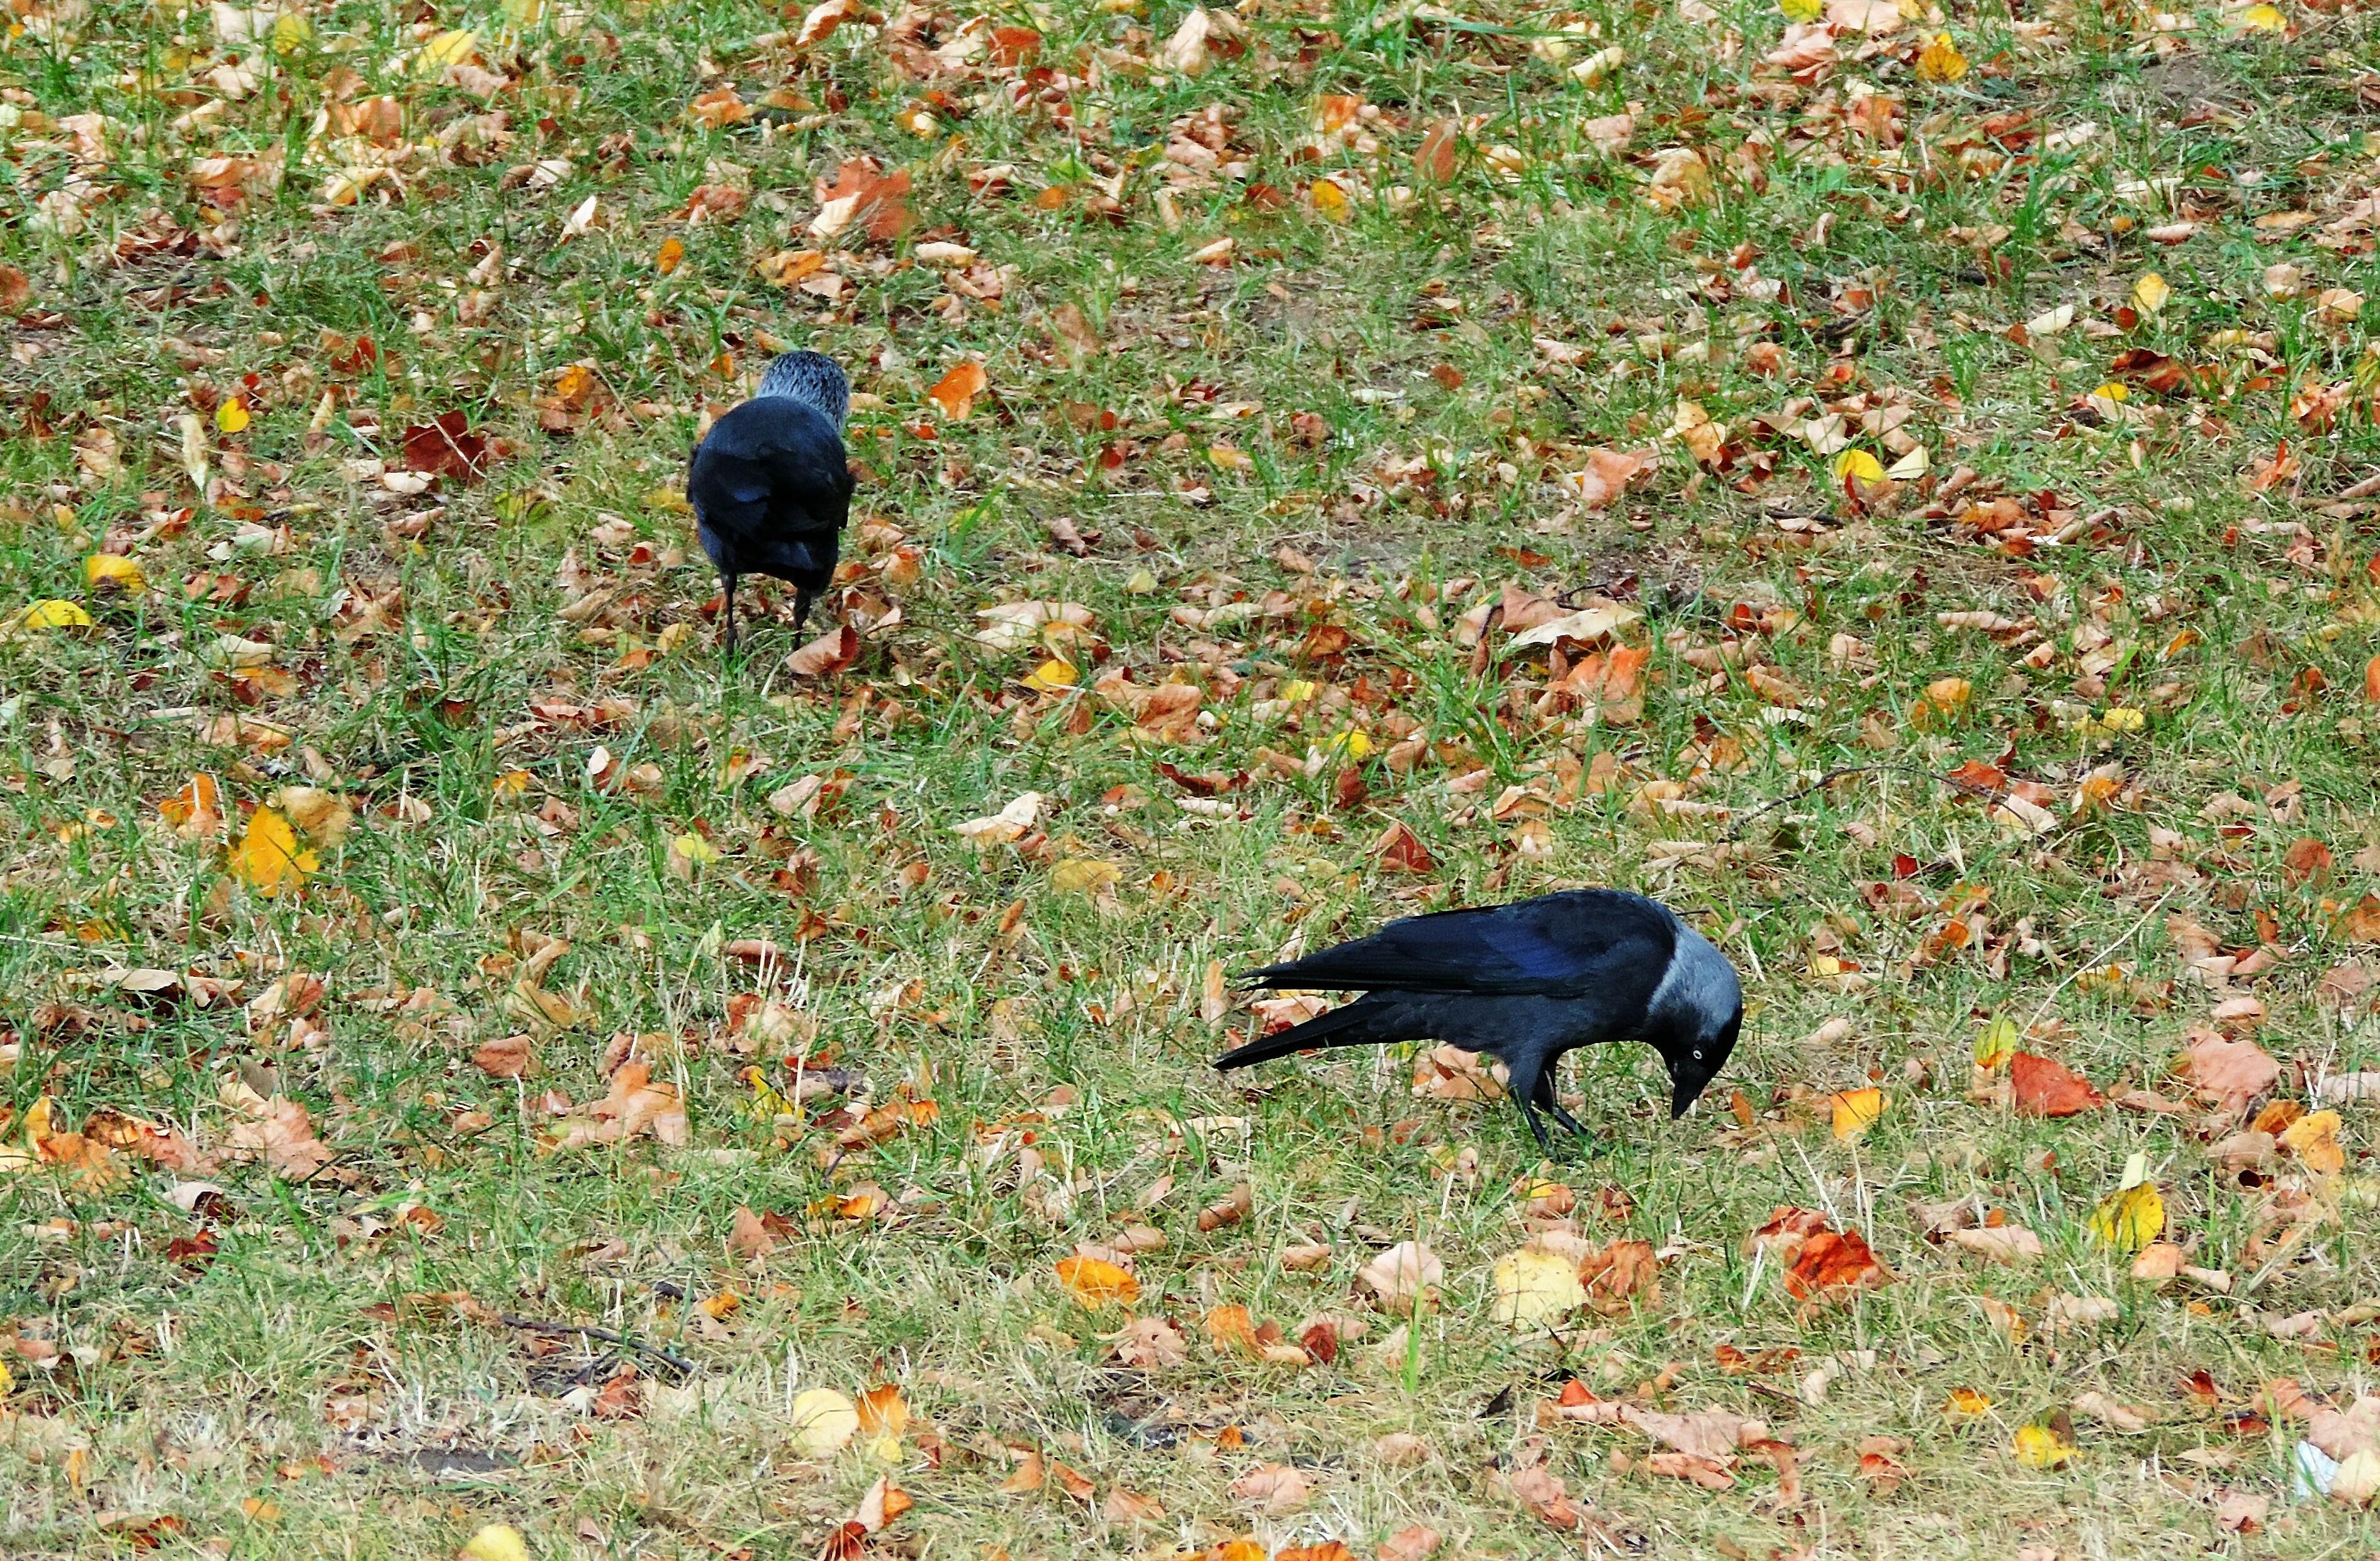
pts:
[1537, 948]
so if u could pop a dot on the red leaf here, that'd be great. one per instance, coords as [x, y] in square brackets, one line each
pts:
[1400, 850]
[830, 652]
[2044, 1088]
[446, 448]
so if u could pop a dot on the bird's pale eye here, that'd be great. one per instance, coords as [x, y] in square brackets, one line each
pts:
[1698, 1054]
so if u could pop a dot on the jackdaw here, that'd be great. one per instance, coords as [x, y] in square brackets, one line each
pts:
[1524, 984]
[769, 486]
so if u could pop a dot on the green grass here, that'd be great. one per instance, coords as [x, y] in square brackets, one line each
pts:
[441, 660]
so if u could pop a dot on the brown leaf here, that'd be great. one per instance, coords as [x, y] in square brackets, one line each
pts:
[862, 193]
[1131, 1506]
[1435, 161]
[1540, 1490]
[1400, 850]
[1414, 1543]
[1026, 1478]
[1274, 1487]
[1710, 1474]
[830, 653]
[1405, 1273]
[446, 447]
[756, 1235]
[2308, 860]
[16, 290]
[2228, 1073]
[1623, 1275]
[1151, 1343]
[2043, 1087]
[508, 1058]
[1231, 1210]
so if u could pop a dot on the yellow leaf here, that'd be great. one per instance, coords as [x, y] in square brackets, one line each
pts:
[231, 415]
[1095, 1283]
[1966, 1401]
[267, 859]
[673, 253]
[1296, 689]
[695, 850]
[497, 1542]
[291, 32]
[1801, 10]
[524, 13]
[1858, 464]
[2313, 1139]
[1995, 1042]
[512, 784]
[42, 616]
[1533, 1288]
[1084, 875]
[112, 570]
[2114, 390]
[456, 45]
[1940, 60]
[2150, 293]
[2124, 718]
[2130, 1219]
[823, 1421]
[1355, 745]
[1329, 201]
[1856, 1111]
[2038, 1446]
[2263, 18]
[1052, 676]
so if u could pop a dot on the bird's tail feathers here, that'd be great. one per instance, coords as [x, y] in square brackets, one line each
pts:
[813, 378]
[1360, 1023]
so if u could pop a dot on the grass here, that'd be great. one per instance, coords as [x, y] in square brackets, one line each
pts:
[1350, 424]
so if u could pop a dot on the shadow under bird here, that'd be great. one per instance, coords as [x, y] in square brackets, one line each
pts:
[771, 486]
[1524, 984]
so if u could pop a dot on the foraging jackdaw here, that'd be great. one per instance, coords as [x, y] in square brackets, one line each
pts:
[768, 484]
[1524, 984]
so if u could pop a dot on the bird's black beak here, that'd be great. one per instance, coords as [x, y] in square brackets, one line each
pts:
[1684, 1089]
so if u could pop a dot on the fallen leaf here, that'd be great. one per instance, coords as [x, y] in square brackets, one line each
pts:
[497, 1542]
[1095, 1284]
[2045, 1088]
[2313, 1139]
[822, 1421]
[2038, 1446]
[2228, 1073]
[1406, 1275]
[2006, 1243]
[446, 448]
[1534, 1287]
[1855, 1110]
[1833, 1262]
[2130, 1219]
[832, 652]
[955, 391]
[1940, 60]
[268, 859]
[1273, 1487]
[1008, 824]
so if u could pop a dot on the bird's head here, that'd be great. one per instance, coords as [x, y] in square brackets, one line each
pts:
[1695, 1018]
[1695, 1061]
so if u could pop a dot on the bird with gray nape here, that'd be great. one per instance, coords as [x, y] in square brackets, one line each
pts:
[771, 486]
[1524, 984]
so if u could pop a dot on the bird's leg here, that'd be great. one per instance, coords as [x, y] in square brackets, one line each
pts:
[801, 606]
[1546, 1099]
[729, 580]
[1528, 1082]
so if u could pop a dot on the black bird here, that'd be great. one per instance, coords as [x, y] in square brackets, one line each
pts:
[768, 484]
[1526, 982]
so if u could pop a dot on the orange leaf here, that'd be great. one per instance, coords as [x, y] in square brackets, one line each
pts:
[196, 810]
[955, 391]
[673, 253]
[2308, 861]
[1434, 164]
[1835, 1261]
[1095, 1283]
[2372, 679]
[2044, 1088]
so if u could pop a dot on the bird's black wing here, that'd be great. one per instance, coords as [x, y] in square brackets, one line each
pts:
[770, 479]
[1554, 945]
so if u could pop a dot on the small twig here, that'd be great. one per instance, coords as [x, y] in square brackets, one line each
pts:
[1988, 793]
[677, 1363]
[2102, 958]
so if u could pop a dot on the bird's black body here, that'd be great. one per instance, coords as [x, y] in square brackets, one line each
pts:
[1524, 984]
[768, 484]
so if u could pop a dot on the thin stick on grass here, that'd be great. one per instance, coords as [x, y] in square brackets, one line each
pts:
[677, 1363]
